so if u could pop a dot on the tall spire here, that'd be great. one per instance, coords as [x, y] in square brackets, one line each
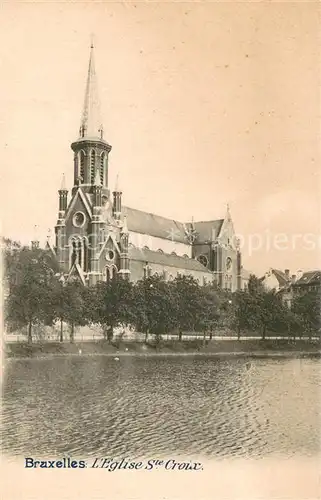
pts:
[91, 124]
[117, 185]
[228, 213]
[63, 183]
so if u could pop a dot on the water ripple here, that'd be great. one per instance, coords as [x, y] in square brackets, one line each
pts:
[144, 407]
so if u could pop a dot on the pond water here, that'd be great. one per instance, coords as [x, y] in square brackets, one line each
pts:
[151, 406]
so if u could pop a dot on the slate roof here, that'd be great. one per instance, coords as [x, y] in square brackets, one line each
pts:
[155, 257]
[281, 277]
[309, 278]
[207, 229]
[155, 225]
[162, 227]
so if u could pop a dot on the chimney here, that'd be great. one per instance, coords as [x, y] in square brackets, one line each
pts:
[287, 274]
[293, 278]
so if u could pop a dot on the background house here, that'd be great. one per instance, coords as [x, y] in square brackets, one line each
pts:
[292, 285]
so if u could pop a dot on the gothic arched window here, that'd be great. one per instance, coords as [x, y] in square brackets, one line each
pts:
[81, 171]
[79, 252]
[74, 252]
[107, 274]
[85, 244]
[110, 273]
[92, 166]
[102, 168]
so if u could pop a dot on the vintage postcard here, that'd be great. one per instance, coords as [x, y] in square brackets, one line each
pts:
[161, 270]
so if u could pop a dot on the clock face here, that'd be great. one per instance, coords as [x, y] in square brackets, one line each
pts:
[228, 263]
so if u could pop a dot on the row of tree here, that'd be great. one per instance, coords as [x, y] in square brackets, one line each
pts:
[36, 293]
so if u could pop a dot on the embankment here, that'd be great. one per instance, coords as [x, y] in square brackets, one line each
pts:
[256, 347]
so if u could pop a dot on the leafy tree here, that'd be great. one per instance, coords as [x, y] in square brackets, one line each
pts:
[226, 312]
[242, 312]
[111, 305]
[269, 310]
[11, 251]
[307, 307]
[30, 277]
[209, 310]
[188, 303]
[255, 286]
[290, 323]
[154, 306]
[68, 305]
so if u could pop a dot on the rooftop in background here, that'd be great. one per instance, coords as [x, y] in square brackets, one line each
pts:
[309, 278]
[300, 278]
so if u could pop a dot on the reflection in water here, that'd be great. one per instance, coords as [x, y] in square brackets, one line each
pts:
[151, 407]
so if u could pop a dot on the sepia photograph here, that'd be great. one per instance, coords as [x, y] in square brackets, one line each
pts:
[161, 250]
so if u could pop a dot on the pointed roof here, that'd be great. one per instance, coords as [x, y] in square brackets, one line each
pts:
[63, 183]
[91, 123]
[228, 213]
[208, 230]
[117, 188]
[139, 221]
[76, 273]
[309, 277]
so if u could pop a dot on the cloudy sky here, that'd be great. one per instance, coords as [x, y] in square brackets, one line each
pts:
[203, 103]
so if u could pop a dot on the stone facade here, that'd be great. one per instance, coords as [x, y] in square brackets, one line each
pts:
[97, 237]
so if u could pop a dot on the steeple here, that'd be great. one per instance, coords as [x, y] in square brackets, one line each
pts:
[117, 194]
[228, 213]
[117, 190]
[63, 196]
[91, 150]
[91, 123]
[63, 183]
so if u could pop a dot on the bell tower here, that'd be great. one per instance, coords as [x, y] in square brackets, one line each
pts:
[91, 150]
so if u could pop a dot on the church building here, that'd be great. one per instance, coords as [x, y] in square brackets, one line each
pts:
[98, 237]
